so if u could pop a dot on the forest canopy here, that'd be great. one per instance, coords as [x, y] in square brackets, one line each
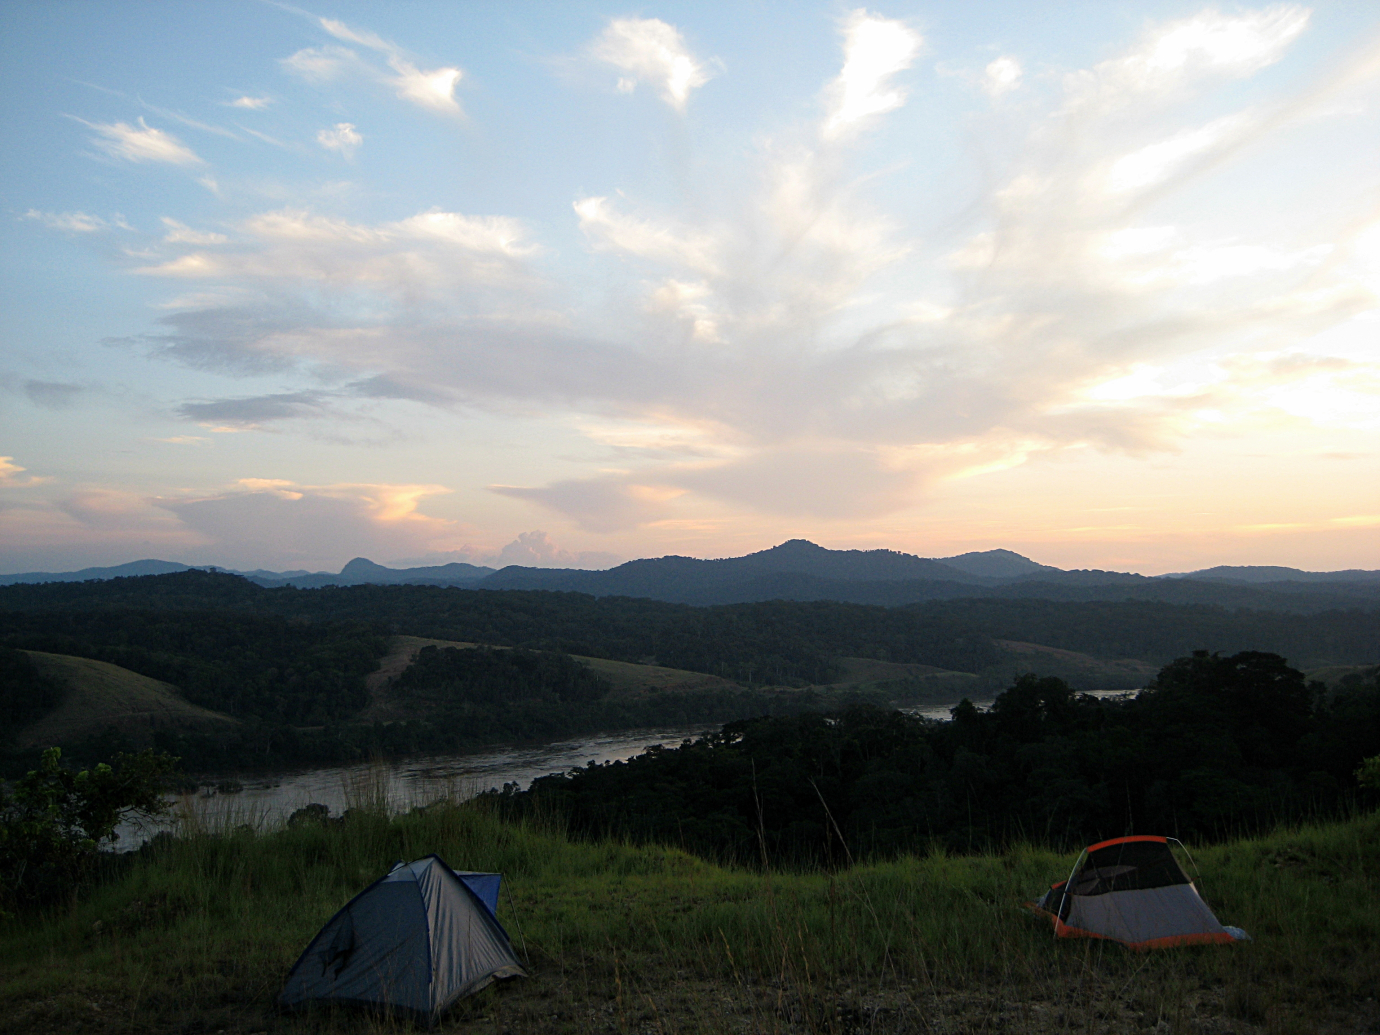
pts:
[1216, 746]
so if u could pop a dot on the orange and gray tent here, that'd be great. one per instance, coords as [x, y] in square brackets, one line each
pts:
[1132, 890]
[416, 940]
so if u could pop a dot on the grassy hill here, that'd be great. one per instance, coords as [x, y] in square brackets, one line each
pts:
[195, 934]
[388, 702]
[99, 696]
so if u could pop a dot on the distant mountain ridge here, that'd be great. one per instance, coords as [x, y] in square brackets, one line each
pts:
[1266, 573]
[801, 570]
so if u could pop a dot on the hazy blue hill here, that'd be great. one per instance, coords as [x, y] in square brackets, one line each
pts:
[799, 570]
[1265, 574]
[803, 571]
[795, 570]
[362, 572]
[804, 557]
[149, 567]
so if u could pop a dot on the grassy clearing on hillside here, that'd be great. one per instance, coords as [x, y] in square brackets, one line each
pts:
[196, 935]
[100, 695]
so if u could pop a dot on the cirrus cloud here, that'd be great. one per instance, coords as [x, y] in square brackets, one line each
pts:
[141, 143]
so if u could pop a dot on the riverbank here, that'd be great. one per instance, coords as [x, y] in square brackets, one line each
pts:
[195, 933]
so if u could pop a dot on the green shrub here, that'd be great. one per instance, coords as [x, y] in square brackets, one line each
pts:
[54, 820]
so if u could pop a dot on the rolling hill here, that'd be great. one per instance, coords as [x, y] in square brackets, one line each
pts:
[99, 696]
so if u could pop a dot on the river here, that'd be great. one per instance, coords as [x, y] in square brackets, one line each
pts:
[265, 800]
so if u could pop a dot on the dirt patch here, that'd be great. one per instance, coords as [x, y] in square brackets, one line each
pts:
[633, 680]
[385, 703]
[388, 704]
[1082, 670]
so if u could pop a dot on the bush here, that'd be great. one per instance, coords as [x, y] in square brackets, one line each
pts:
[54, 821]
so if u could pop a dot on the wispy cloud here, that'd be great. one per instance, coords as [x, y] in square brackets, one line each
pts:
[321, 64]
[342, 137]
[181, 233]
[650, 51]
[10, 475]
[197, 124]
[250, 103]
[786, 345]
[1170, 60]
[52, 395]
[433, 89]
[75, 222]
[141, 143]
[256, 411]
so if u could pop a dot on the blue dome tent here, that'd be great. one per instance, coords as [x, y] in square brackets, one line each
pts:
[416, 940]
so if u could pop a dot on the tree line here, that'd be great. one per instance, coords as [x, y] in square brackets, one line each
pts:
[1216, 746]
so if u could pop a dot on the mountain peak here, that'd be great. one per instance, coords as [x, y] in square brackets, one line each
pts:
[995, 564]
[792, 547]
[362, 566]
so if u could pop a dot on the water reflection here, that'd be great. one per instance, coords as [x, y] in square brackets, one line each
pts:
[267, 799]
[943, 711]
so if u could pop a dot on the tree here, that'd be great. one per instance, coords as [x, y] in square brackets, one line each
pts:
[55, 820]
[1253, 697]
[1368, 775]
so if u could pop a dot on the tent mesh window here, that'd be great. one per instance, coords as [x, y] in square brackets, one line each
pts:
[1128, 866]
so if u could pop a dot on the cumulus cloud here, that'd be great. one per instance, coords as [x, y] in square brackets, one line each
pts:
[280, 524]
[1001, 76]
[536, 550]
[141, 143]
[652, 52]
[250, 103]
[434, 88]
[342, 137]
[875, 49]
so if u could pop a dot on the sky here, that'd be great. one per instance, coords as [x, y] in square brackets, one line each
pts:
[569, 284]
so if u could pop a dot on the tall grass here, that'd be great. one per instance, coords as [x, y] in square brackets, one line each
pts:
[197, 931]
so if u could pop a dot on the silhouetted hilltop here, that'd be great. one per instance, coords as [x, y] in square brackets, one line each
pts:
[801, 570]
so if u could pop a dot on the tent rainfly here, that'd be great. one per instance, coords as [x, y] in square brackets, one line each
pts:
[416, 940]
[1132, 890]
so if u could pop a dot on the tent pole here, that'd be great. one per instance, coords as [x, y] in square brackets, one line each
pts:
[513, 906]
[1059, 913]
